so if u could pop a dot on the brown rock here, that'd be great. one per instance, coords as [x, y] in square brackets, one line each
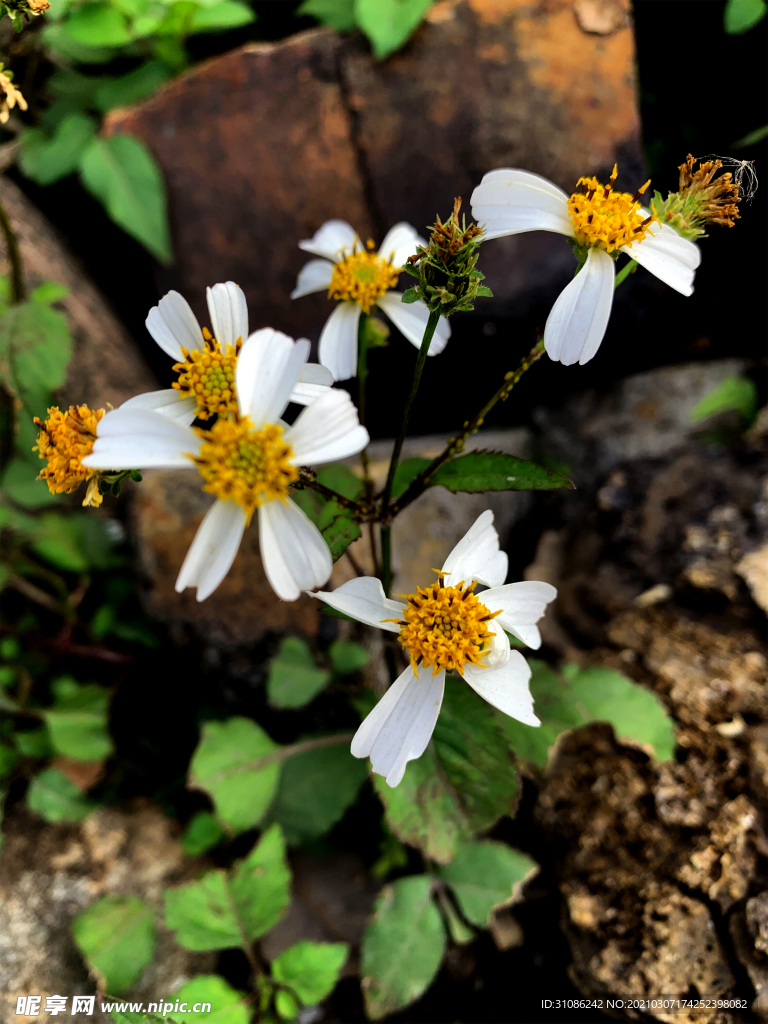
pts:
[263, 144]
[106, 365]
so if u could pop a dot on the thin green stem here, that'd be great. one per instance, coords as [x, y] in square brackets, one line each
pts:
[386, 558]
[626, 270]
[456, 444]
[18, 293]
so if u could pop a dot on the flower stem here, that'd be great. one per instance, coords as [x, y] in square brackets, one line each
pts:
[362, 376]
[18, 293]
[456, 444]
[626, 270]
[386, 558]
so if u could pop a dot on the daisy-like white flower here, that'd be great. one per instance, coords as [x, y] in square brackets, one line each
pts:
[508, 202]
[205, 362]
[446, 627]
[248, 462]
[361, 279]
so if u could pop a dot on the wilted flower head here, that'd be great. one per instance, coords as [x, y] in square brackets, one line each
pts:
[703, 198]
[64, 440]
[10, 96]
[19, 10]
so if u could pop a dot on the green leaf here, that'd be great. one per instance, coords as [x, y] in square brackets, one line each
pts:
[403, 946]
[389, 23]
[54, 797]
[589, 695]
[122, 173]
[78, 725]
[339, 14]
[732, 394]
[228, 1006]
[133, 87]
[57, 539]
[8, 760]
[463, 783]
[410, 295]
[287, 1005]
[46, 159]
[21, 485]
[496, 471]
[97, 24]
[35, 348]
[742, 15]
[215, 911]
[340, 532]
[316, 788]
[485, 875]
[406, 473]
[116, 935]
[294, 678]
[341, 479]
[347, 657]
[310, 969]
[33, 743]
[226, 765]
[201, 834]
[49, 292]
[219, 17]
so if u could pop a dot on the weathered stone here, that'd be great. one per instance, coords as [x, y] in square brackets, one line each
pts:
[106, 364]
[263, 144]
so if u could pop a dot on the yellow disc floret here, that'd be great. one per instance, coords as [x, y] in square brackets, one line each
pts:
[445, 627]
[208, 376]
[244, 465]
[64, 440]
[362, 277]
[605, 219]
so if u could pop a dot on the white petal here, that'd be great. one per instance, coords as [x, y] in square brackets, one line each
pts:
[506, 687]
[168, 402]
[477, 556]
[668, 256]
[337, 349]
[410, 318]
[228, 311]
[363, 599]
[579, 318]
[508, 202]
[314, 276]
[268, 367]
[529, 635]
[332, 240]
[399, 243]
[213, 550]
[140, 439]
[173, 324]
[313, 382]
[293, 550]
[401, 725]
[520, 604]
[328, 429]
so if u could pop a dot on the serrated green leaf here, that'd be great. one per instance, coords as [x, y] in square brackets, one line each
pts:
[586, 695]
[310, 969]
[496, 471]
[215, 911]
[485, 875]
[339, 533]
[122, 173]
[341, 479]
[742, 15]
[35, 348]
[226, 766]
[116, 935]
[202, 833]
[339, 14]
[97, 24]
[54, 797]
[389, 23]
[463, 783]
[406, 473]
[132, 87]
[78, 724]
[294, 678]
[403, 946]
[46, 159]
[228, 1006]
[347, 657]
[227, 14]
[732, 394]
[316, 788]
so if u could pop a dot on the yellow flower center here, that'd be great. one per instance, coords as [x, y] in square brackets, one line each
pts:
[605, 219]
[247, 466]
[444, 627]
[209, 377]
[362, 277]
[65, 439]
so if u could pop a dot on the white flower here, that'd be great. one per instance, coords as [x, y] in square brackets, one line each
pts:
[362, 279]
[446, 627]
[206, 363]
[248, 462]
[508, 202]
